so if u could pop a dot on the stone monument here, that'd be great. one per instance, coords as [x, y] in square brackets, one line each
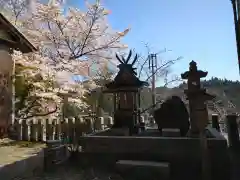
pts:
[172, 114]
[10, 38]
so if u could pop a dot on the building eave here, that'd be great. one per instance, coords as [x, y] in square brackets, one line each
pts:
[22, 43]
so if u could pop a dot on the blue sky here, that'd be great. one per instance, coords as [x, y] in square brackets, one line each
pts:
[197, 30]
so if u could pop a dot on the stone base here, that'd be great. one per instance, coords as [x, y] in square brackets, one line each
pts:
[171, 133]
[119, 132]
[114, 132]
[144, 169]
[183, 154]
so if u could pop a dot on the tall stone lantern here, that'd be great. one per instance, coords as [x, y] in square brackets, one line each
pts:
[197, 97]
[10, 39]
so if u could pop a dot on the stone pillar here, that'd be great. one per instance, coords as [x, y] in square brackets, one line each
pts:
[232, 130]
[142, 123]
[6, 69]
[89, 125]
[99, 123]
[215, 122]
[109, 121]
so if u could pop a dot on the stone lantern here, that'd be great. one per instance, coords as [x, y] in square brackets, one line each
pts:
[10, 39]
[126, 89]
[197, 98]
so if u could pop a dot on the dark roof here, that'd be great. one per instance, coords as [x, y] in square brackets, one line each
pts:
[118, 85]
[20, 42]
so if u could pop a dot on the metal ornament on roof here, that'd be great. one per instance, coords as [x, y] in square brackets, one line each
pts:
[124, 62]
[127, 75]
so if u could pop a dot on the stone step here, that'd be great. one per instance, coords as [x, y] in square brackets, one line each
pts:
[171, 132]
[144, 169]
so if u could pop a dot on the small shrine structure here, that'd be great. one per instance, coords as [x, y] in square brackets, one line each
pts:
[10, 38]
[126, 89]
[197, 97]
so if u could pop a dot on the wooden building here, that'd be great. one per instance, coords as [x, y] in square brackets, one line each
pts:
[10, 39]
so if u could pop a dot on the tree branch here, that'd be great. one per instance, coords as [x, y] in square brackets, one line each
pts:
[41, 114]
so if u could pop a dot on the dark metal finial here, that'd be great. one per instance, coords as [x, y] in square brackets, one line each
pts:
[135, 59]
[129, 56]
[118, 58]
[122, 60]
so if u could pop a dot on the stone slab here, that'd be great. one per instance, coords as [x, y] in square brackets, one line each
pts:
[144, 169]
[131, 144]
[113, 132]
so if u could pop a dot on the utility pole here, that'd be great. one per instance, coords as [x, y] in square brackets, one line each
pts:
[152, 58]
[236, 15]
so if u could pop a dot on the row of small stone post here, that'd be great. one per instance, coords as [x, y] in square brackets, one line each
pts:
[232, 129]
[102, 123]
[70, 128]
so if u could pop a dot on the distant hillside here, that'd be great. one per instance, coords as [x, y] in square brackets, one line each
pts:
[226, 92]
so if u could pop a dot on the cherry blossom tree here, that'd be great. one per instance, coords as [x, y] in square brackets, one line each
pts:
[70, 42]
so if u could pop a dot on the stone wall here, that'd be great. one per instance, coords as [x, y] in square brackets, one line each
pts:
[183, 154]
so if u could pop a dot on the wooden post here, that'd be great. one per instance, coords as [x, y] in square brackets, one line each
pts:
[18, 128]
[232, 130]
[33, 131]
[48, 129]
[70, 130]
[215, 122]
[56, 130]
[95, 124]
[64, 129]
[79, 125]
[51, 130]
[24, 131]
[89, 125]
[39, 130]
